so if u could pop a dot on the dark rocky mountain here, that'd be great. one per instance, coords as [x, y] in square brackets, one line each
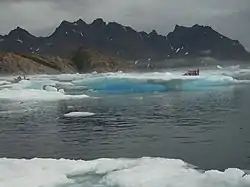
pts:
[125, 43]
[204, 41]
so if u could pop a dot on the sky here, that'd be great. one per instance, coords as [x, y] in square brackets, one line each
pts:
[41, 17]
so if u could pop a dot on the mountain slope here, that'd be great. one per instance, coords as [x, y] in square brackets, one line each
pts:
[13, 63]
[23, 63]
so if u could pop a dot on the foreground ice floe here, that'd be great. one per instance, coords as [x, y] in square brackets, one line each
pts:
[143, 172]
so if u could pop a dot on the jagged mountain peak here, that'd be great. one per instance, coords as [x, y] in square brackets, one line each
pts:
[178, 27]
[62, 29]
[98, 22]
[68, 24]
[18, 31]
[195, 31]
[153, 33]
[79, 22]
[115, 39]
[195, 26]
[65, 23]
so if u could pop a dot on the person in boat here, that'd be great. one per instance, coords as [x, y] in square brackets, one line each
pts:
[24, 78]
[18, 79]
[198, 71]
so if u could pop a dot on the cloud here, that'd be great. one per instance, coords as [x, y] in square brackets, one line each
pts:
[42, 16]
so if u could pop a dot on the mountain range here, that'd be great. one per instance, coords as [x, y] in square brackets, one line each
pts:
[125, 43]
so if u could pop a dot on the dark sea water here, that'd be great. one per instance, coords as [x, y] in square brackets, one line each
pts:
[208, 128]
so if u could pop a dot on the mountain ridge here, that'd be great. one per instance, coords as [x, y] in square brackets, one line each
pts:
[124, 42]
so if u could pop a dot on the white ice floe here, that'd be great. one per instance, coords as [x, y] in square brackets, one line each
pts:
[32, 94]
[79, 114]
[143, 172]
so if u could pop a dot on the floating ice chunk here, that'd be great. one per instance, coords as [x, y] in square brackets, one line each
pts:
[219, 67]
[64, 84]
[32, 94]
[79, 114]
[4, 83]
[50, 88]
[61, 91]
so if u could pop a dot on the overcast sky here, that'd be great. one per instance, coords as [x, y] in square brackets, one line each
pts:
[40, 17]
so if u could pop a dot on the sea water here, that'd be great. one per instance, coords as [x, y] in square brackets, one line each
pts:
[157, 129]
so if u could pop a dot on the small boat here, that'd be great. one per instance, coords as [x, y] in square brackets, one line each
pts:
[193, 72]
[18, 79]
